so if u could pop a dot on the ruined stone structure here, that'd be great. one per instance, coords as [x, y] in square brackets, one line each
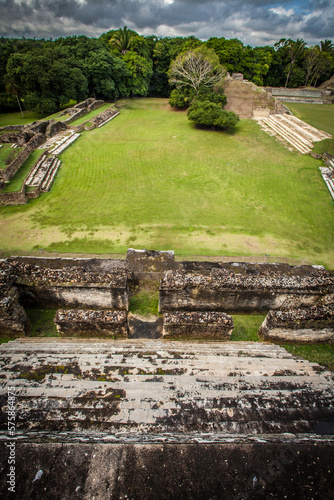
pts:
[208, 325]
[295, 133]
[312, 324]
[302, 95]
[250, 101]
[156, 418]
[110, 323]
[236, 288]
[55, 137]
[211, 289]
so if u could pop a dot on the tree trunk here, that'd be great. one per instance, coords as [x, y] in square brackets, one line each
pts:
[18, 102]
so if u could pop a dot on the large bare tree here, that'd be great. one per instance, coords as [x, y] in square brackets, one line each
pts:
[197, 69]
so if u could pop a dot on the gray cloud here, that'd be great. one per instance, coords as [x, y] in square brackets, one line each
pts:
[254, 22]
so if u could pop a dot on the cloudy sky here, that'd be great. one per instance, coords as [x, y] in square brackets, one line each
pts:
[254, 22]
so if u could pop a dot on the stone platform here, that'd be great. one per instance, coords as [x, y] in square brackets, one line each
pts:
[147, 419]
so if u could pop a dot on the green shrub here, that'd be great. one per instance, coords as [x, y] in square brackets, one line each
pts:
[210, 114]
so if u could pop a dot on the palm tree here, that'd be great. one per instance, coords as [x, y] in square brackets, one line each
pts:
[13, 90]
[122, 40]
[295, 49]
[326, 46]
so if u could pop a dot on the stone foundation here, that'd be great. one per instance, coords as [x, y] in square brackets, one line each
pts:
[91, 322]
[210, 325]
[311, 325]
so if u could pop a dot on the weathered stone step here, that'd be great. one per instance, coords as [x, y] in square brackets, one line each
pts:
[139, 345]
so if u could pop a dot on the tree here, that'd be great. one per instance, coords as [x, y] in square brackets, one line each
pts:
[209, 114]
[139, 73]
[13, 90]
[123, 40]
[295, 49]
[197, 69]
[326, 46]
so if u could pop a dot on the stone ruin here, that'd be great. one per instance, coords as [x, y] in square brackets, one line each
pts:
[55, 136]
[150, 418]
[195, 298]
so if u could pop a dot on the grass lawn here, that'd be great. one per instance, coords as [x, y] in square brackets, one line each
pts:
[149, 179]
[16, 118]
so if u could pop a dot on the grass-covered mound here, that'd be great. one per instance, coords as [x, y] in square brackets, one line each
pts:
[150, 179]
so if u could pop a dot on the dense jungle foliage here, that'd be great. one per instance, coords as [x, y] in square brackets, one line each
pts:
[45, 75]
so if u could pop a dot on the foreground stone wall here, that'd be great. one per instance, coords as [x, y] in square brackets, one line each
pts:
[80, 321]
[258, 291]
[312, 325]
[190, 325]
[73, 287]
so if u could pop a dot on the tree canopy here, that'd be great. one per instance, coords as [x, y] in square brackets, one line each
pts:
[46, 74]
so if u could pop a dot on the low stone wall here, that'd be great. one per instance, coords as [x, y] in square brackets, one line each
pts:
[259, 290]
[8, 173]
[73, 287]
[204, 324]
[15, 198]
[54, 128]
[311, 325]
[296, 95]
[91, 322]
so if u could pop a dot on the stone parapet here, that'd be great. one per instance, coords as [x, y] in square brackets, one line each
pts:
[91, 322]
[204, 324]
[310, 324]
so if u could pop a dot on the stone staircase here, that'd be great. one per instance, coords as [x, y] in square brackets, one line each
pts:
[139, 388]
[43, 173]
[328, 177]
[64, 143]
[292, 131]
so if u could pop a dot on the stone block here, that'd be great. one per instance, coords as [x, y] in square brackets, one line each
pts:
[192, 325]
[149, 260]
[144, 326]
[312, 325]
[91, 322]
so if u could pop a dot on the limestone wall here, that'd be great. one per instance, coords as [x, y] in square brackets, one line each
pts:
[190, 325]
[88, 322]
[229, 291]
[15, 198]
[296, 95]
[312, 325]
